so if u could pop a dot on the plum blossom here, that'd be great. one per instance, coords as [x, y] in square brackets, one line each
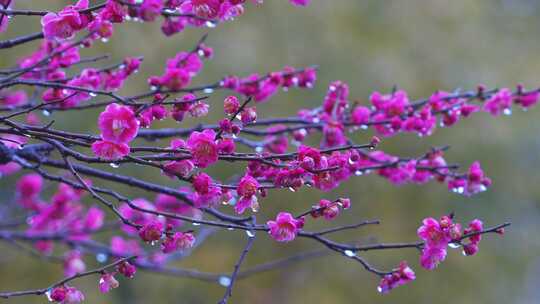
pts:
[64, 24]
[107, 282]
[110, 150]
[127, 269]
[203, 148]
[118, 124]
[284, 228]
[403, 275]
[151, 231]
[178, 241]
[247, 190]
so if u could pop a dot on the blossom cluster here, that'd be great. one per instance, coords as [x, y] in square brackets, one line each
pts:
[438, 235]
[281, 153]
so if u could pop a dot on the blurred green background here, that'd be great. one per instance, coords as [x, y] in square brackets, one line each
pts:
[420, 46]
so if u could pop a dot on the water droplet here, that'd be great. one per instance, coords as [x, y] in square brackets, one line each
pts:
[482, 188]
[349, 253]
[379, 289]
[358, 173]
[46, 113]
[254, 205]
[250, 233]
[201, 53]
[115, 165]
[101, 257]
[210, 24]
[93, 94]
[208, 90]
[104, 40]
[454, 245]
[230, 228]
[196, 224]
[464, 253]
[292, 189]
[259, 149]
[507, 111]
[48, 295]
[153, 243]
[153, 88]
[351, 162]
[224, 281]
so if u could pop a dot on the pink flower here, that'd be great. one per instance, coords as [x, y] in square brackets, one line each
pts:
[182, 168]
[122, 247]
[432, 256]
[475, 225]
[107, 282]
[206, 193]
[247, 187]
[175, 78]
[73, 263]
[527, 100]
[476, 179]
[333, 135]
[202, 183]
[66, 23]
[300, 2]
[58, 294]
[203, 148]
[199, 109]
[392, 104]
[360, 115]
[246, 202]
[113, 11]
[15, 98]
[110, 150]
[327, 209]
[127, 269]
[231, 105]
[151, 9]
[94, 218]
[432, 233]
[284, 228]
[403, 275]
[179, 241]
[206, 8]
[73, 296]
[226, 146]
[118, 124]
[499, 102]
[152, 231]
[248, 115]
[30, 185]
